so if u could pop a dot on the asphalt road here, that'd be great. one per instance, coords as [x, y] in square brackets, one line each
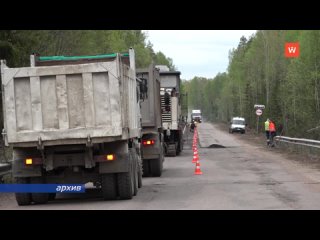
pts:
[236, 175]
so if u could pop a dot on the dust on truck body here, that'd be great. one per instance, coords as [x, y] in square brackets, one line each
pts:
[152, 149]
[171, 111]
[78, 119]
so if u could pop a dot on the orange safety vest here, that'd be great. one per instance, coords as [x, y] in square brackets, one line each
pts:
[272, 127]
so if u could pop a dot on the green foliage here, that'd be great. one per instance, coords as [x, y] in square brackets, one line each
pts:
[17, 45]
[161, 59]
[259, 73]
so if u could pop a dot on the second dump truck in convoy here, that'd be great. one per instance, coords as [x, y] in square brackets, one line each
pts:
[152, 149]
[74, 120]
[172, 121]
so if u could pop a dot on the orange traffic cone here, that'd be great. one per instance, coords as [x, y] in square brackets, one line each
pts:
[194, 147]
[197, 170]
[195, 156]
[194, 144]
[195, 141]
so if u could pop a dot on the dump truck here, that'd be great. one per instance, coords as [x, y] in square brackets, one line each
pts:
[172, 121]
[152, 149]
[74, 120]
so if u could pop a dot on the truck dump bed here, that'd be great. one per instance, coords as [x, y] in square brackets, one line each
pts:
[69, 104]
[150, 107]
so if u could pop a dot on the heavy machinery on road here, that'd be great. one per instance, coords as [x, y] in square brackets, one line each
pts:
[152, 149]
[74, 120]
[172, 121]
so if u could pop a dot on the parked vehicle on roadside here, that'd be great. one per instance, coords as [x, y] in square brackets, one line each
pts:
[237, 124]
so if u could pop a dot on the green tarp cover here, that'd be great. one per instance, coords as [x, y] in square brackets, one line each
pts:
[59, 58]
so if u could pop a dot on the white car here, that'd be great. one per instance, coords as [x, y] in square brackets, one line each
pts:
[237, 124]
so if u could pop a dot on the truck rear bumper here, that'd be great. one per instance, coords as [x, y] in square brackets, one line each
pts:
[150, 152]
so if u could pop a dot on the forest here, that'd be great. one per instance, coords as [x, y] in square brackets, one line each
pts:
[17, 45]
[259, 73]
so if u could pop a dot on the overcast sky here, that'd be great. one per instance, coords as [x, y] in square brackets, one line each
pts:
[201, 53]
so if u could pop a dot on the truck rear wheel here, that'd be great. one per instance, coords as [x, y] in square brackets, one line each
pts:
[135, 171]
[139, 178]
[39, 198]
[156, 165]
[108, 186]
[146, 168]
[180, 144]
[52, 196]
[126, 181]
[140, 171]
[178, 148]
[23, 198]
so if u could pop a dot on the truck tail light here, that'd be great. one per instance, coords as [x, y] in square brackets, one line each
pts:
[28, 161]
[33, 161]
[110, 157]
[148, 142]
[104, 158]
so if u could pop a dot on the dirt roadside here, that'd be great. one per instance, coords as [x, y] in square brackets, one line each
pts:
[253, 138]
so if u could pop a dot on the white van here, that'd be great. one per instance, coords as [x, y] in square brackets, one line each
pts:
[237, 124]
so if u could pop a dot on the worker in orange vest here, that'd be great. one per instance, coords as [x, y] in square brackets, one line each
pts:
[272, 131]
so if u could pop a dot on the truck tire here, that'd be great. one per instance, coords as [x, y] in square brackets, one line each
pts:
[23, 198]
[52, 196]
[178, 149]
[140, 170]
[126, 181]
[108, 186]
[146, 168]
[140, 178]
[156, 165]
[39, 198]
[181, 143]
[135, 170]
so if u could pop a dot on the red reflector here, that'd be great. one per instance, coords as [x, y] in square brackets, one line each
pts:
[148, 142]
